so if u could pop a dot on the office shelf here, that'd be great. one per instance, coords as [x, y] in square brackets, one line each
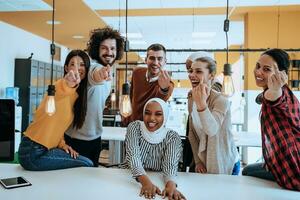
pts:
[33, 78]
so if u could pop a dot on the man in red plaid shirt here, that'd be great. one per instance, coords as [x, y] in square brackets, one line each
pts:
[280, 122]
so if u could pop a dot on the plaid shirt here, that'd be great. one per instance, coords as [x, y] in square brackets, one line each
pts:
[280, 126]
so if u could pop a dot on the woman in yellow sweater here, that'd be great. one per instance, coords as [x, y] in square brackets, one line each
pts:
[43, 146]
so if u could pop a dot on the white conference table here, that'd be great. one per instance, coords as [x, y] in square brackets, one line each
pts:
[115, 184]
[113, 133]
[116, 135]
[241, 138]
[247, 139]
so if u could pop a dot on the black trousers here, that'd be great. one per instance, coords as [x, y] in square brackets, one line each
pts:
[90, 149]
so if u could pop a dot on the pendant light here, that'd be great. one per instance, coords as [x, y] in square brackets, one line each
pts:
[50, 102]
[178, 83]
[125, 104]
[113, 92]
[113, 95]
[228, 87]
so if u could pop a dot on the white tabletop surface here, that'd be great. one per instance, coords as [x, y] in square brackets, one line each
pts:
[117, 184]
[241, 138]
[247, 139]
[113, 133]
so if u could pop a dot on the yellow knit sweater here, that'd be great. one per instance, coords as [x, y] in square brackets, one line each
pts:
[49, 130]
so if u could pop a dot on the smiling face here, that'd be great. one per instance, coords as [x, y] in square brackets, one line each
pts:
[155, 60]
[76, 63]
[153, 116]
[265, 67]
[108, 51]
[199, 72]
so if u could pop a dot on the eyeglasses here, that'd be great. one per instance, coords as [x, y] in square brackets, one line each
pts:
[153, 58]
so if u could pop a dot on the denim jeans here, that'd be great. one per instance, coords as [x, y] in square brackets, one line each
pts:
[258, 170]
[236, 168]
[88, 148]
[36, 157]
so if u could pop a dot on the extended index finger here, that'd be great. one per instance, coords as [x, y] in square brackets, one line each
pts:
[276, 68]
[161, 70]
[71, 74]
[77, 64]
[166, 73]
[108, 67]
[201, 79]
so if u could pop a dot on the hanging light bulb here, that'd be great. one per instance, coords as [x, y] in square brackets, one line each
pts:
[178, 83]
[113, 96]
[243, 100]
[125, 104]
[228, 87]
[50, 102]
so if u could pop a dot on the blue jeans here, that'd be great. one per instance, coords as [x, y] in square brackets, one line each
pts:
[236, 168]
[36, 157]
[257, 170]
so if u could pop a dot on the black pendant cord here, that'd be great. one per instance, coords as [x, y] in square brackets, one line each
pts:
[52, 47]
[126, 86]
[227, 67]
[126, 41]
[51, 87]
[226, 29]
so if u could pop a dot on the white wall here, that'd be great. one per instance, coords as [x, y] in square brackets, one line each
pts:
[17, 43]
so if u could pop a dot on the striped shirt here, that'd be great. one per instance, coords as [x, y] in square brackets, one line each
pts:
[142, 155]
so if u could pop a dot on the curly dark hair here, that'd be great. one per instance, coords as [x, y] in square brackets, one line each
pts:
[100, 34]
[80, 105]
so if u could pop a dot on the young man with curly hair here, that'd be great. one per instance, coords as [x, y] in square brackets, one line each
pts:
[105, 46]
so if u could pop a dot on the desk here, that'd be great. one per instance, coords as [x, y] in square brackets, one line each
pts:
[114, 184]
[247, 139]
[244, 139]
[115, 136]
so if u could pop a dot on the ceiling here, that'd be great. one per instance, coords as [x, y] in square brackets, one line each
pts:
[176, 24]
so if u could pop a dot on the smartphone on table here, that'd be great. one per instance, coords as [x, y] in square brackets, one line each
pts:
[14, 182]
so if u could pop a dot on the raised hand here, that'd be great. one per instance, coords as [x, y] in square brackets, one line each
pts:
[275, 83]
[72, 78]
[277, 79]
[164, 79]
[200, 94]
[102, 74]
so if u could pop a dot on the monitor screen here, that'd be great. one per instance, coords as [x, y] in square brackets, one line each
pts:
[7, 129]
